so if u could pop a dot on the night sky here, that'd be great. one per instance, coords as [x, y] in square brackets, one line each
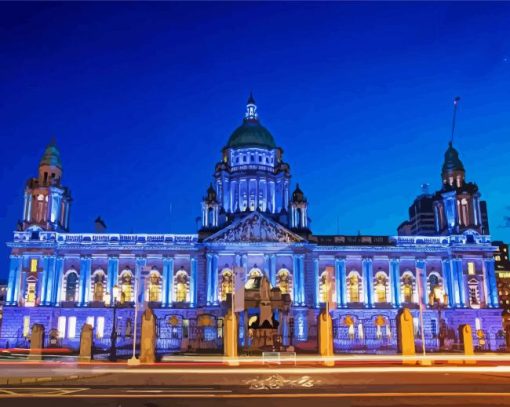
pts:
[142, 97]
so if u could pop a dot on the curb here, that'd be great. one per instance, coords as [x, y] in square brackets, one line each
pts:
[45, 379]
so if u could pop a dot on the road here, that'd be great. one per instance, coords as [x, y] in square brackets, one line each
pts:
[158, 386]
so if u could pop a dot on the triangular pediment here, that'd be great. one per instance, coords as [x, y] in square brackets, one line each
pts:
[255, 227]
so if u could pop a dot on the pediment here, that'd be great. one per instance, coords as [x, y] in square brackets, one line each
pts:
[255, 227]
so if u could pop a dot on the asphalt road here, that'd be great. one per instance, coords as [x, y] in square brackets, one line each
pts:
[269, 387]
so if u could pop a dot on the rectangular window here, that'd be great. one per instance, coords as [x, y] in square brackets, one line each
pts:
[433, 326]
[416, 326]
[61, 327]
[90, 321]
[26, 326]
[71, 328]
[471, 268]
[478, 324]
[185, 328]
[33, 265]
[30, 295]
[100, 327]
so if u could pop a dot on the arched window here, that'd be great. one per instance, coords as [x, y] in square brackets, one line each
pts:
[253, 278]
[98, 285]
[126, 282]
[434, 283]
[70, 286]
[181, 286]
[284, 281]
[154, 289]
[225, 286]
[354, 288]
[381, 287]
[324, 286]
[407, 287]
[474, 293]
[31, 291]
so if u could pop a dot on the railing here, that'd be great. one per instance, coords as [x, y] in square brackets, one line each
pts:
[105, 238]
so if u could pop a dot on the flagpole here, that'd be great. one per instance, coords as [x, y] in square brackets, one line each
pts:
[233, 313]
[133, 360]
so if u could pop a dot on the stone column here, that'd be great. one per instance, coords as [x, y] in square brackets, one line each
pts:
[85, 284]
[448, 282]
[193, 282]
[316, 283]
[340, 281]
[36, 342]
[215, 276]
[272, 262]
[302, 279]
[421, 267]
[326, 339]
[491, 282]
[395, 280]
[297, 280]
[148, 338]
[405, 332]
[86, 340]
[42, 279]
[140, 263]
[166, 295]
[230, 338]
[457, 263]
[209, 278]
[368, 280]
[13, 282]
[113, 272]
[466, 337]
[57, 284]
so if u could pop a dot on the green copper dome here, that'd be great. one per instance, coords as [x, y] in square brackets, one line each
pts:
[451, 160]
[51, 156]
[251, 133]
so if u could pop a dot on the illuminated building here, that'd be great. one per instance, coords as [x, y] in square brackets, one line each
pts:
[251, 218]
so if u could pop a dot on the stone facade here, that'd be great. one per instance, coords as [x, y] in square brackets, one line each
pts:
[251, 220]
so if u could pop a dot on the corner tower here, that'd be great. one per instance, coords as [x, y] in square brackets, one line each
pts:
[47, 202]
[457, 206]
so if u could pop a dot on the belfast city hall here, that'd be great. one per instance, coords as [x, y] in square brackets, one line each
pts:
[439, 265]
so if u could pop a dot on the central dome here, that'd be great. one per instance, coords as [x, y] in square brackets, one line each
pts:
[251, 133]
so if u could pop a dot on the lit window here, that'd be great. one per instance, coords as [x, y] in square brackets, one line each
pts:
[61, 327]
[71, 329]
[361, 334]
[90, 321]
[478, 324]
[100, 327]
[26, 326]
[33, 265]
[416, 326]
[471, 268]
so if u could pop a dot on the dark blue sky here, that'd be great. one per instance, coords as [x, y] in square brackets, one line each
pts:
[142, 97]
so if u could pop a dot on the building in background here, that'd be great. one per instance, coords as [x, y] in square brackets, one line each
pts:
[253, 219]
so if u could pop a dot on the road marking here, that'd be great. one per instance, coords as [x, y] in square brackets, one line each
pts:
[180, 391]
[256, 396]
[50, 391]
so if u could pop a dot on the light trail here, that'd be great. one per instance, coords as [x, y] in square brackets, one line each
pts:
[308, 370]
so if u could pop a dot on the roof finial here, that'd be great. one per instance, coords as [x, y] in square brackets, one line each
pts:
[455, 104]
[251, 109]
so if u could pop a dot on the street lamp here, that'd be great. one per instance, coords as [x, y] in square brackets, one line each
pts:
[439, 298]
[113, 337]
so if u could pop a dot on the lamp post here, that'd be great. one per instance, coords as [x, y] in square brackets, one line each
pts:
[439, 298]
[113, 336]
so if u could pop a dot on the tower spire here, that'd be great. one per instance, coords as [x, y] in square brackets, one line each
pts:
[251, 109]
[455, 105]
